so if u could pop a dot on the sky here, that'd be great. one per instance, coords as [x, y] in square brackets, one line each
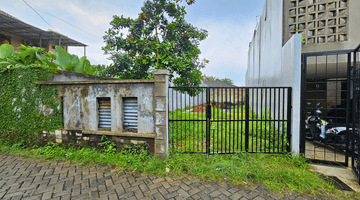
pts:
[230, 24]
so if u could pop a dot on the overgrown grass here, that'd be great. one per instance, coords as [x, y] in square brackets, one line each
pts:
[277, 172]
[227, 132]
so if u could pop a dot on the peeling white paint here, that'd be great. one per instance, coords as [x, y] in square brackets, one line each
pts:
[149, 119]
[90, 98]
[146, 100]
[160, 104]
[162, 149]
[159, 119]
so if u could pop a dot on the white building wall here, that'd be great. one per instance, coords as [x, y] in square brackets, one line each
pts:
[272, 65]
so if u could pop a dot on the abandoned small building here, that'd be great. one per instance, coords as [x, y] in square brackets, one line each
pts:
[129, 111]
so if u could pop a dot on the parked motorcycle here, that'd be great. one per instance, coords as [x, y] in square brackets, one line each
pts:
[325, 132]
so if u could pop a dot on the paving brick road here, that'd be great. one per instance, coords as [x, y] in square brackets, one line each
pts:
[28, 178]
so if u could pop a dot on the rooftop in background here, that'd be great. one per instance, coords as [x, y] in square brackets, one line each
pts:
[13, 25]
[217, 84]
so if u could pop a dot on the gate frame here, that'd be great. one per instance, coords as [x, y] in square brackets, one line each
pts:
[208, 121]
[303, 102]
[356, 171]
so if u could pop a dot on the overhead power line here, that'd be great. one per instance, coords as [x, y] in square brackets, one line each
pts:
[39, 14]
[41, 10]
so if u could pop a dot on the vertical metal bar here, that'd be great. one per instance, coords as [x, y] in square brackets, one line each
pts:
[270, 122]
[177, 124]
[289, 118]
[261, 125]
[197, 123]
[348, 109]
[257, 118]
[213, 107]
[226, 116]
[193, 117]
[222, 119]
[202, 124]
[354, 111]
[84, 50]
[283, 120]
[218, 118]
[207, 122]
[247, 120]
[185, 132]
[302, 103]
[252, 119]
[181, 122]
[172, 105]
[274, 130]
[278, 118]
[233, 118]
[190, 89]
[242, 118]
[273, 122]
[238, 118]
[266, 116]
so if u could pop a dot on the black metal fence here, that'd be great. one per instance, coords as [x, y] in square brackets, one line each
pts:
[222, 120]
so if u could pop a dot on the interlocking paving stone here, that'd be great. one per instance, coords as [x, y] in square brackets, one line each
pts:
[26, 178]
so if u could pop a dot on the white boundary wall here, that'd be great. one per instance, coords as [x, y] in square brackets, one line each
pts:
[272, 65]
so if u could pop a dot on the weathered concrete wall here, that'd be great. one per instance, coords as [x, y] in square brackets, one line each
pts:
[272, 65]
[161, 94]
[81, 112]
[80, 94]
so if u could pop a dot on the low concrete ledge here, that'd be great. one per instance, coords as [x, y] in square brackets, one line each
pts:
[118, 133]
[96, 82]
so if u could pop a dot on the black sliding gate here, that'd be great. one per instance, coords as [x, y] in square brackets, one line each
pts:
[218, 120]
[331, 83]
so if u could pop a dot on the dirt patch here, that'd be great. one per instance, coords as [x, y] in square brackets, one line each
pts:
[200, 109]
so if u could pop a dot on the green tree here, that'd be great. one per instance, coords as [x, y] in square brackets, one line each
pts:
[160, 38]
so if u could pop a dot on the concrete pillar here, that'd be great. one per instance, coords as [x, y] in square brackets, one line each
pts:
[161, 113]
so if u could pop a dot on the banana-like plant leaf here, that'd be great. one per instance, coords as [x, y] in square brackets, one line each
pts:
[79, 68]
[6, 50]
[27, 56]
[74, 59]
[88, 68]
[44, 60]
[63, 59]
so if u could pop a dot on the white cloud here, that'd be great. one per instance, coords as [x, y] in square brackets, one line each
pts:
[227, 48]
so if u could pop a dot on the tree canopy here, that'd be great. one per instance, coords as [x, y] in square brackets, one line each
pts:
[160, 38]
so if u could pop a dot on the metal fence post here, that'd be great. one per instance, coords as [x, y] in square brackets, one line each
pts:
[247, 119]
[208, 115]
[289, 118]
